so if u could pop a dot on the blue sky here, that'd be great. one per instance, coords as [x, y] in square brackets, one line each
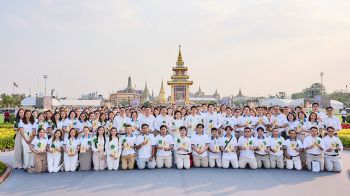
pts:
[261, 46]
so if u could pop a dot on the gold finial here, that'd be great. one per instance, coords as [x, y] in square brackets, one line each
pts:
[179, 61]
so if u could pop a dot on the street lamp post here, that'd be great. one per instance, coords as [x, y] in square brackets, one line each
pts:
[322, 74]
[45, 77]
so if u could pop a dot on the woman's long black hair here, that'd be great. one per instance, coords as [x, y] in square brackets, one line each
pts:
[104, 138]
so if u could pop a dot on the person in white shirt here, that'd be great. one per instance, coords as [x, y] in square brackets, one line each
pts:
[261, 121]
[26, 128]
[192, 121]
[176, 124]
[314, 148]
[292, 150]
[121, 121]
[164, 145]
[182, 148]
[113, 149]
[210, 120]
[333, 146]
[162, 119]
[128, 149]
[278, 120]
[85, 150]
[215, 154]
[38, 147]
[228, 119]
[292, 123]
[71, 148]
[148, 119]
[262, 153]
[145, 145]
[302, 126]
[99, 149]
[54, 154]
[315, 109]
[135, 123]
[247, 145]
[332, 121]
[246, 120]
[277, 145]
[200, 145]
[228, 146]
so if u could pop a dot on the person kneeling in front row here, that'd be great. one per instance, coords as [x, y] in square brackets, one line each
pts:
[200, 145]
[276, 150]
[165, 144]
[314, 148]
[247, 146]
[182, 149]
[333, 146]
[146, 146]
[262, 153]
[292, 150]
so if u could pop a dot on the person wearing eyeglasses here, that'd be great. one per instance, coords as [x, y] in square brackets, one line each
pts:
[247, 145]
[333, 146]
[332, 121]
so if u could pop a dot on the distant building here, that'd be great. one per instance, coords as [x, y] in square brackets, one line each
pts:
[91, 96]
[127, 96]
[145, 95]
[162, 97]
[200, 97]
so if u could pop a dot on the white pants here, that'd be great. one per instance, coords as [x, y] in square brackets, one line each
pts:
[263, 160]
[183, 161]
[199, 161]
[333, 163]
[141, 163]
[164, 161]
[112, 164]
[53, 161]
[70, 163]
[99, 163]
[213, 160]
[28, 157]
[295, 162]
[243, 161]
[310, 158]
[276, 160]
[226, 163]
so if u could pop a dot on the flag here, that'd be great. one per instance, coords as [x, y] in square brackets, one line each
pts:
[15, 85]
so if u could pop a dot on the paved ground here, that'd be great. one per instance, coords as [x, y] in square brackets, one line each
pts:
[173, 182]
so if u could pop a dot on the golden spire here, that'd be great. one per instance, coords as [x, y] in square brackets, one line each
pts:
[162, 96]
[179, 61]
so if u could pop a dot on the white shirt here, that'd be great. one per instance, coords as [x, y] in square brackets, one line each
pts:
[71, 145]
[136, 124]
[85, 143]
[128, 142]
[175, 127]
[214, 146]
[210, 120]
[333, 143]
[259, 121]
[278, 120]
[120, 122]
[245, 121]
[231, 144]
[191, 122]
[145, 152]
[164, 142]
[56, 144]
[263, 143]
[162, 120]
[148, 120]
[229, 121]
[98, 144]
[309, 141]
[332, 121]
[247, 142]
[200, 141]
[27, 129]
[276, 144]
[113, 147]
[40, 144]
[183, 143]
[292, 147]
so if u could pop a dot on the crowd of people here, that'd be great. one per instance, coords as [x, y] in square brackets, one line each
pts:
[70, 139]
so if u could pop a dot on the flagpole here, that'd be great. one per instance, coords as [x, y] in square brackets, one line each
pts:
[13, 89]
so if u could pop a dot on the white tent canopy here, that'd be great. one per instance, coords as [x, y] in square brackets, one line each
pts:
[337, 105]
[282, 102]
[29, 101]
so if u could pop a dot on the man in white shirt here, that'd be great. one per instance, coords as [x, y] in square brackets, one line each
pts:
[332, 121]
[314, 148]
[192, 121]
[246, 120]
[292, 151]
[247, 146]
[164, 145]
[333, 146]
[200, 145]
[211, 120]
[145, 146]
[148, 119]
[278, 120]
[262, 153]
[162, 119]
[316, 109]
[277, 146]
[121, 121]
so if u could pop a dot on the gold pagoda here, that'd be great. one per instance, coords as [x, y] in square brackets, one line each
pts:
[162, 96]
[180, 83]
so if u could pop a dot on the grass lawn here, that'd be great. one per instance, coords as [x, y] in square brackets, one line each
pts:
[1, 118]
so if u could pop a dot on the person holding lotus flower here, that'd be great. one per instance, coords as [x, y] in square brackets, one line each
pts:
[128, 149]
[145, 146]
[245, 120]
[71, 148]
[292, 151]
[135, 123]
[182, 149]
[70, 123]
[85, 155]
[200, 145]
[176, 124]
[164, 146]
[277, 145]
[192, 120]
[333, 147]
[247, 145]
[26, 128]
[211, 120]
[38, 147]
[121, 121]
[262, 153]
[99, 149]
[113, 149]
[214, 149]
[314, 148]
[162, 119]
[228, 146]
[54, 154]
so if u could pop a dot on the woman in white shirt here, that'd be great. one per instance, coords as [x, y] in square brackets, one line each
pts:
[26, 128]
[314, 122]
[99, 149]
[54, 154]
[71, 148]
[182, 148]
[292, 150]
[38, 147]
[292, 123]
[85, 154]
[135, 123]
[228, 146]
[176, 124]
[113, 148]
[164, 145]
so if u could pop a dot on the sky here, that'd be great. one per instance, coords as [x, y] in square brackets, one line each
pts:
[262, 47]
